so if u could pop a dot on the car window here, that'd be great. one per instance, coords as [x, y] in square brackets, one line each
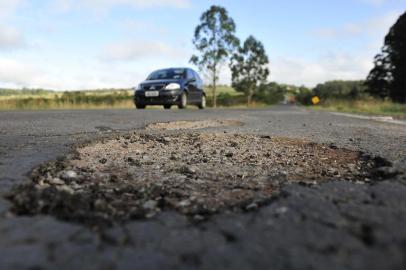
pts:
[167, 74]
[197, 77]
[190, 74]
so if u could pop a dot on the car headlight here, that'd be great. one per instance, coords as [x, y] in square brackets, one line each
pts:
[172, 86]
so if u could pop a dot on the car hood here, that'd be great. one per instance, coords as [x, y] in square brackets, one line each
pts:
[160, 82]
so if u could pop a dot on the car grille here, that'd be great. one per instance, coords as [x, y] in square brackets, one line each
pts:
[154, 87]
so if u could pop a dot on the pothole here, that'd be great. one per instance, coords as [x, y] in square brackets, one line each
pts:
[139, 175]
[179, 125]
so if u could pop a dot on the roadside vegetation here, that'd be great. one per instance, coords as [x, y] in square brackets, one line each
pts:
[382, 93]
[46, 99]
[348, 96]
[365, 106]
[39, 99]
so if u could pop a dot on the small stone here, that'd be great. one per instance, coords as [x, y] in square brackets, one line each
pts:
[41, 182]
[66, 189]
[69, 175]
[251, 206]
[75, 186]
[233, 144]
[103, 161]
[198, 217]
[100, 204]
[133, 162]
[150, 214]
[333, 146]
[150, 205]
[184, 203]
[229, 154]
[333, 171]
[42, 187]
[174, 157]
[56, 181]
[282, 210]
[188, 170]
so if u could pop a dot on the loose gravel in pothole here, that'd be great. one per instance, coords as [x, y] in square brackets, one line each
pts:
[179, 125]
[139, 175]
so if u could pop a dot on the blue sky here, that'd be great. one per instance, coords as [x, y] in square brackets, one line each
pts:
[86, 44]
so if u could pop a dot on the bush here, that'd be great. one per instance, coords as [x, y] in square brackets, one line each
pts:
[271, 93]
[304, 96]
[340, 90]
[227, 100]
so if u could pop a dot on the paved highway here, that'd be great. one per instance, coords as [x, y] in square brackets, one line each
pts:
[334, 225]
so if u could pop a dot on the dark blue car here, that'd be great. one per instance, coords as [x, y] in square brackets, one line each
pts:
[172, 86]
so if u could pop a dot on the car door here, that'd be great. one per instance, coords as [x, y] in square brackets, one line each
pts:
[199, 85]
[191, 82]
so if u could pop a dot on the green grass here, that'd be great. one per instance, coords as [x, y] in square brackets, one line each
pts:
[365, 106]
[67, 100]
[221, 90]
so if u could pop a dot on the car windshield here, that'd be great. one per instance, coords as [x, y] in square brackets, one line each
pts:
[167, 74]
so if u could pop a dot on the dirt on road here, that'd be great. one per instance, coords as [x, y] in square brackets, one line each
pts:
[180, 125]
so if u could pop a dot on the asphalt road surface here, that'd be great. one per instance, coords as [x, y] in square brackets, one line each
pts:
[334, 225]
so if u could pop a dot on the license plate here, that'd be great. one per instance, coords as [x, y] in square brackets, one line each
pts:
[152, 93]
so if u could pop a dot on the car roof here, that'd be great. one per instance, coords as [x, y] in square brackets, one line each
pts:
[186, 68]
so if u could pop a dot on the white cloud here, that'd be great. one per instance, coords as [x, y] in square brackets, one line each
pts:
[140, 50]
[341, 66]
[10, 38]
[380, 2]
[15, 73]
[105, 5]
[373, 27]
[349, 63]
[8, 7]
[91, 75]
[374, 2]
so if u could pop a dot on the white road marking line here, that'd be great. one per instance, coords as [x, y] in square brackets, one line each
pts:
[385, 119]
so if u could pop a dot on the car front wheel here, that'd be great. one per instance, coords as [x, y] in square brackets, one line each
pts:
[202, 103]
[183, 101]
[140, 106]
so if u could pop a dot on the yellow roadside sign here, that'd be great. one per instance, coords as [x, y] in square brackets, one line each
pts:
[316, 100]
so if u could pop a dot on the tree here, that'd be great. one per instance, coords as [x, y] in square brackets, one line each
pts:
[249, 67]
[388, 77]
[215, 41]
[378, 81]
[340, 89]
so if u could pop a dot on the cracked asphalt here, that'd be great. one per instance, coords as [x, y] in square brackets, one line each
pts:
[335, 224]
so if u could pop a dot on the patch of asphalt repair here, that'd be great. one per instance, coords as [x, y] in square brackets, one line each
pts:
[138, 175]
